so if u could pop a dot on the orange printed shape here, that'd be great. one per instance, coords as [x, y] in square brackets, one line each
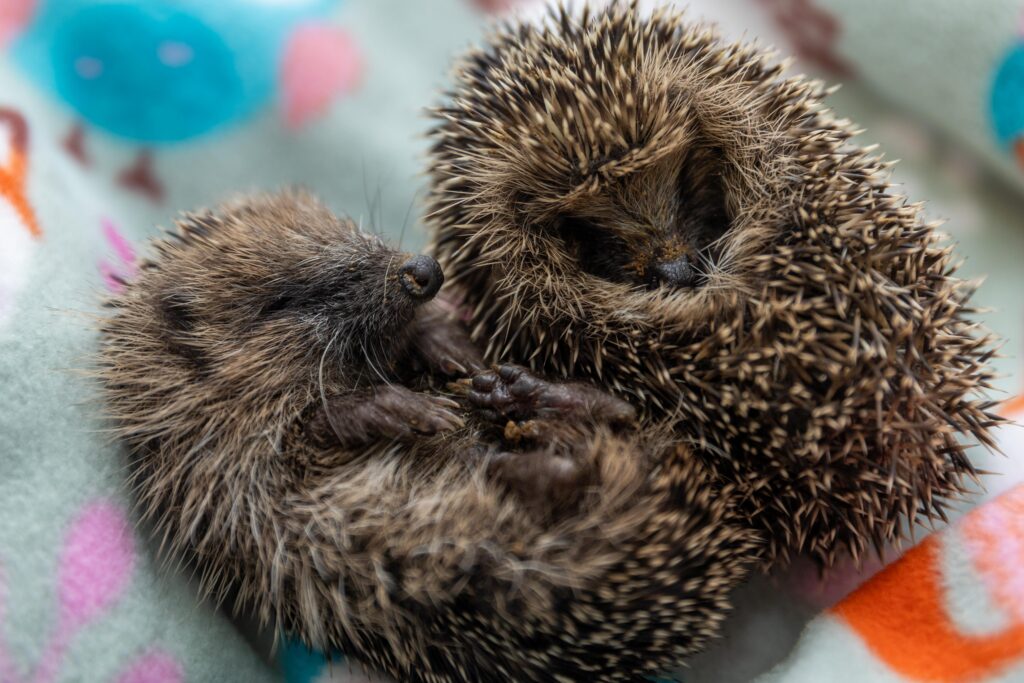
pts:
[1015, 405]
[12, 174]
[900, 614]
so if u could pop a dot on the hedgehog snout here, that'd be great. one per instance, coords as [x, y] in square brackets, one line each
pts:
[676, 273]
[421, 277]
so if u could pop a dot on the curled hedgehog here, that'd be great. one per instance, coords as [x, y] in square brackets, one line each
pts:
[280, 379]
[626, 199]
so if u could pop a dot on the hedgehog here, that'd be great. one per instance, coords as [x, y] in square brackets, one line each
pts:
[283, 383]
[628, 199]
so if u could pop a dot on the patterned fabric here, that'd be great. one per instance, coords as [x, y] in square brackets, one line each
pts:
[977, 95]
[116, 114]
[950, 610]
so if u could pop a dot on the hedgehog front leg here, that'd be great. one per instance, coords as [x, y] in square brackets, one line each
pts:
[555, 415]
[388, 412]
[441, 343]
[513, 393]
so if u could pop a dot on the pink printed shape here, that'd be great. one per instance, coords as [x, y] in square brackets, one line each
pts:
[121, 246]
[95, 565]
[14, 16]
[156, 666]
[320, 63]
[111, 278]
[8, 674]
[115, 274]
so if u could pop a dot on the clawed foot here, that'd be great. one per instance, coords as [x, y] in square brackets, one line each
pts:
[542, 480]
[392, 412]
[513, 393]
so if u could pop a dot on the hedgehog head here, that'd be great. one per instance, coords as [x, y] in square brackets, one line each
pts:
[269, 292]
[608, 175]
[625, 198]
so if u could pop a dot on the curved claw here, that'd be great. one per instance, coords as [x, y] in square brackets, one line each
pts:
[437, 419]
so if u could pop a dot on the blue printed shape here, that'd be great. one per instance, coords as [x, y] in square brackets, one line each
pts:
[157, 71]
[1007, 101]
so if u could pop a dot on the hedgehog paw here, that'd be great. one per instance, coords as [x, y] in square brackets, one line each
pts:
[392, 412]
[512, 392]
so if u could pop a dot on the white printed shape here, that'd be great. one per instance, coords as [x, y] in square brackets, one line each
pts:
[16, 245]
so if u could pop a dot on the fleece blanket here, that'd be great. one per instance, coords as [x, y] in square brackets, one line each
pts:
[959, 66]
[116, 114]
[950, 609]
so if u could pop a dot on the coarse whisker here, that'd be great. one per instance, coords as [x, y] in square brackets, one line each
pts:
[366, 196]
[405, 221]
[320, 371]
[370, 361]
[384, 289]
[273, 443]
[380, 208]
[375, 364]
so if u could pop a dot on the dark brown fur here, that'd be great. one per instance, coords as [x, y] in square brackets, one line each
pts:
[630, 200]
[273, 383]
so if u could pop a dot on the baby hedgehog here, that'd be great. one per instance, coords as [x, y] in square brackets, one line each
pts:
[276, 375]
[625, 198]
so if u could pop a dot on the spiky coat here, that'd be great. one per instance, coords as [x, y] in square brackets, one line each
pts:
[827, 365]
[402, 555]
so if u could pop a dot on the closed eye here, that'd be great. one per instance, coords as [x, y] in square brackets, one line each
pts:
[600, 252]
[280, 303]
[702, 214]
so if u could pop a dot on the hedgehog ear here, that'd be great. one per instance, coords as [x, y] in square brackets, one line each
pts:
[178, 311]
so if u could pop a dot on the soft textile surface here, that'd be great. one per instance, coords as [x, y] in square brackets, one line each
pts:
[956, 65]
[950, 609]
[920, 77]
[114, 115]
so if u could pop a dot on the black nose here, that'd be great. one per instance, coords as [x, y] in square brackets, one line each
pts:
[421, 277]
[676, 273]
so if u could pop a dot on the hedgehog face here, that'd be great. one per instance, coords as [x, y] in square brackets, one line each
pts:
[280, 282]
[593, 182]
[626, 199]
[645, 231]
